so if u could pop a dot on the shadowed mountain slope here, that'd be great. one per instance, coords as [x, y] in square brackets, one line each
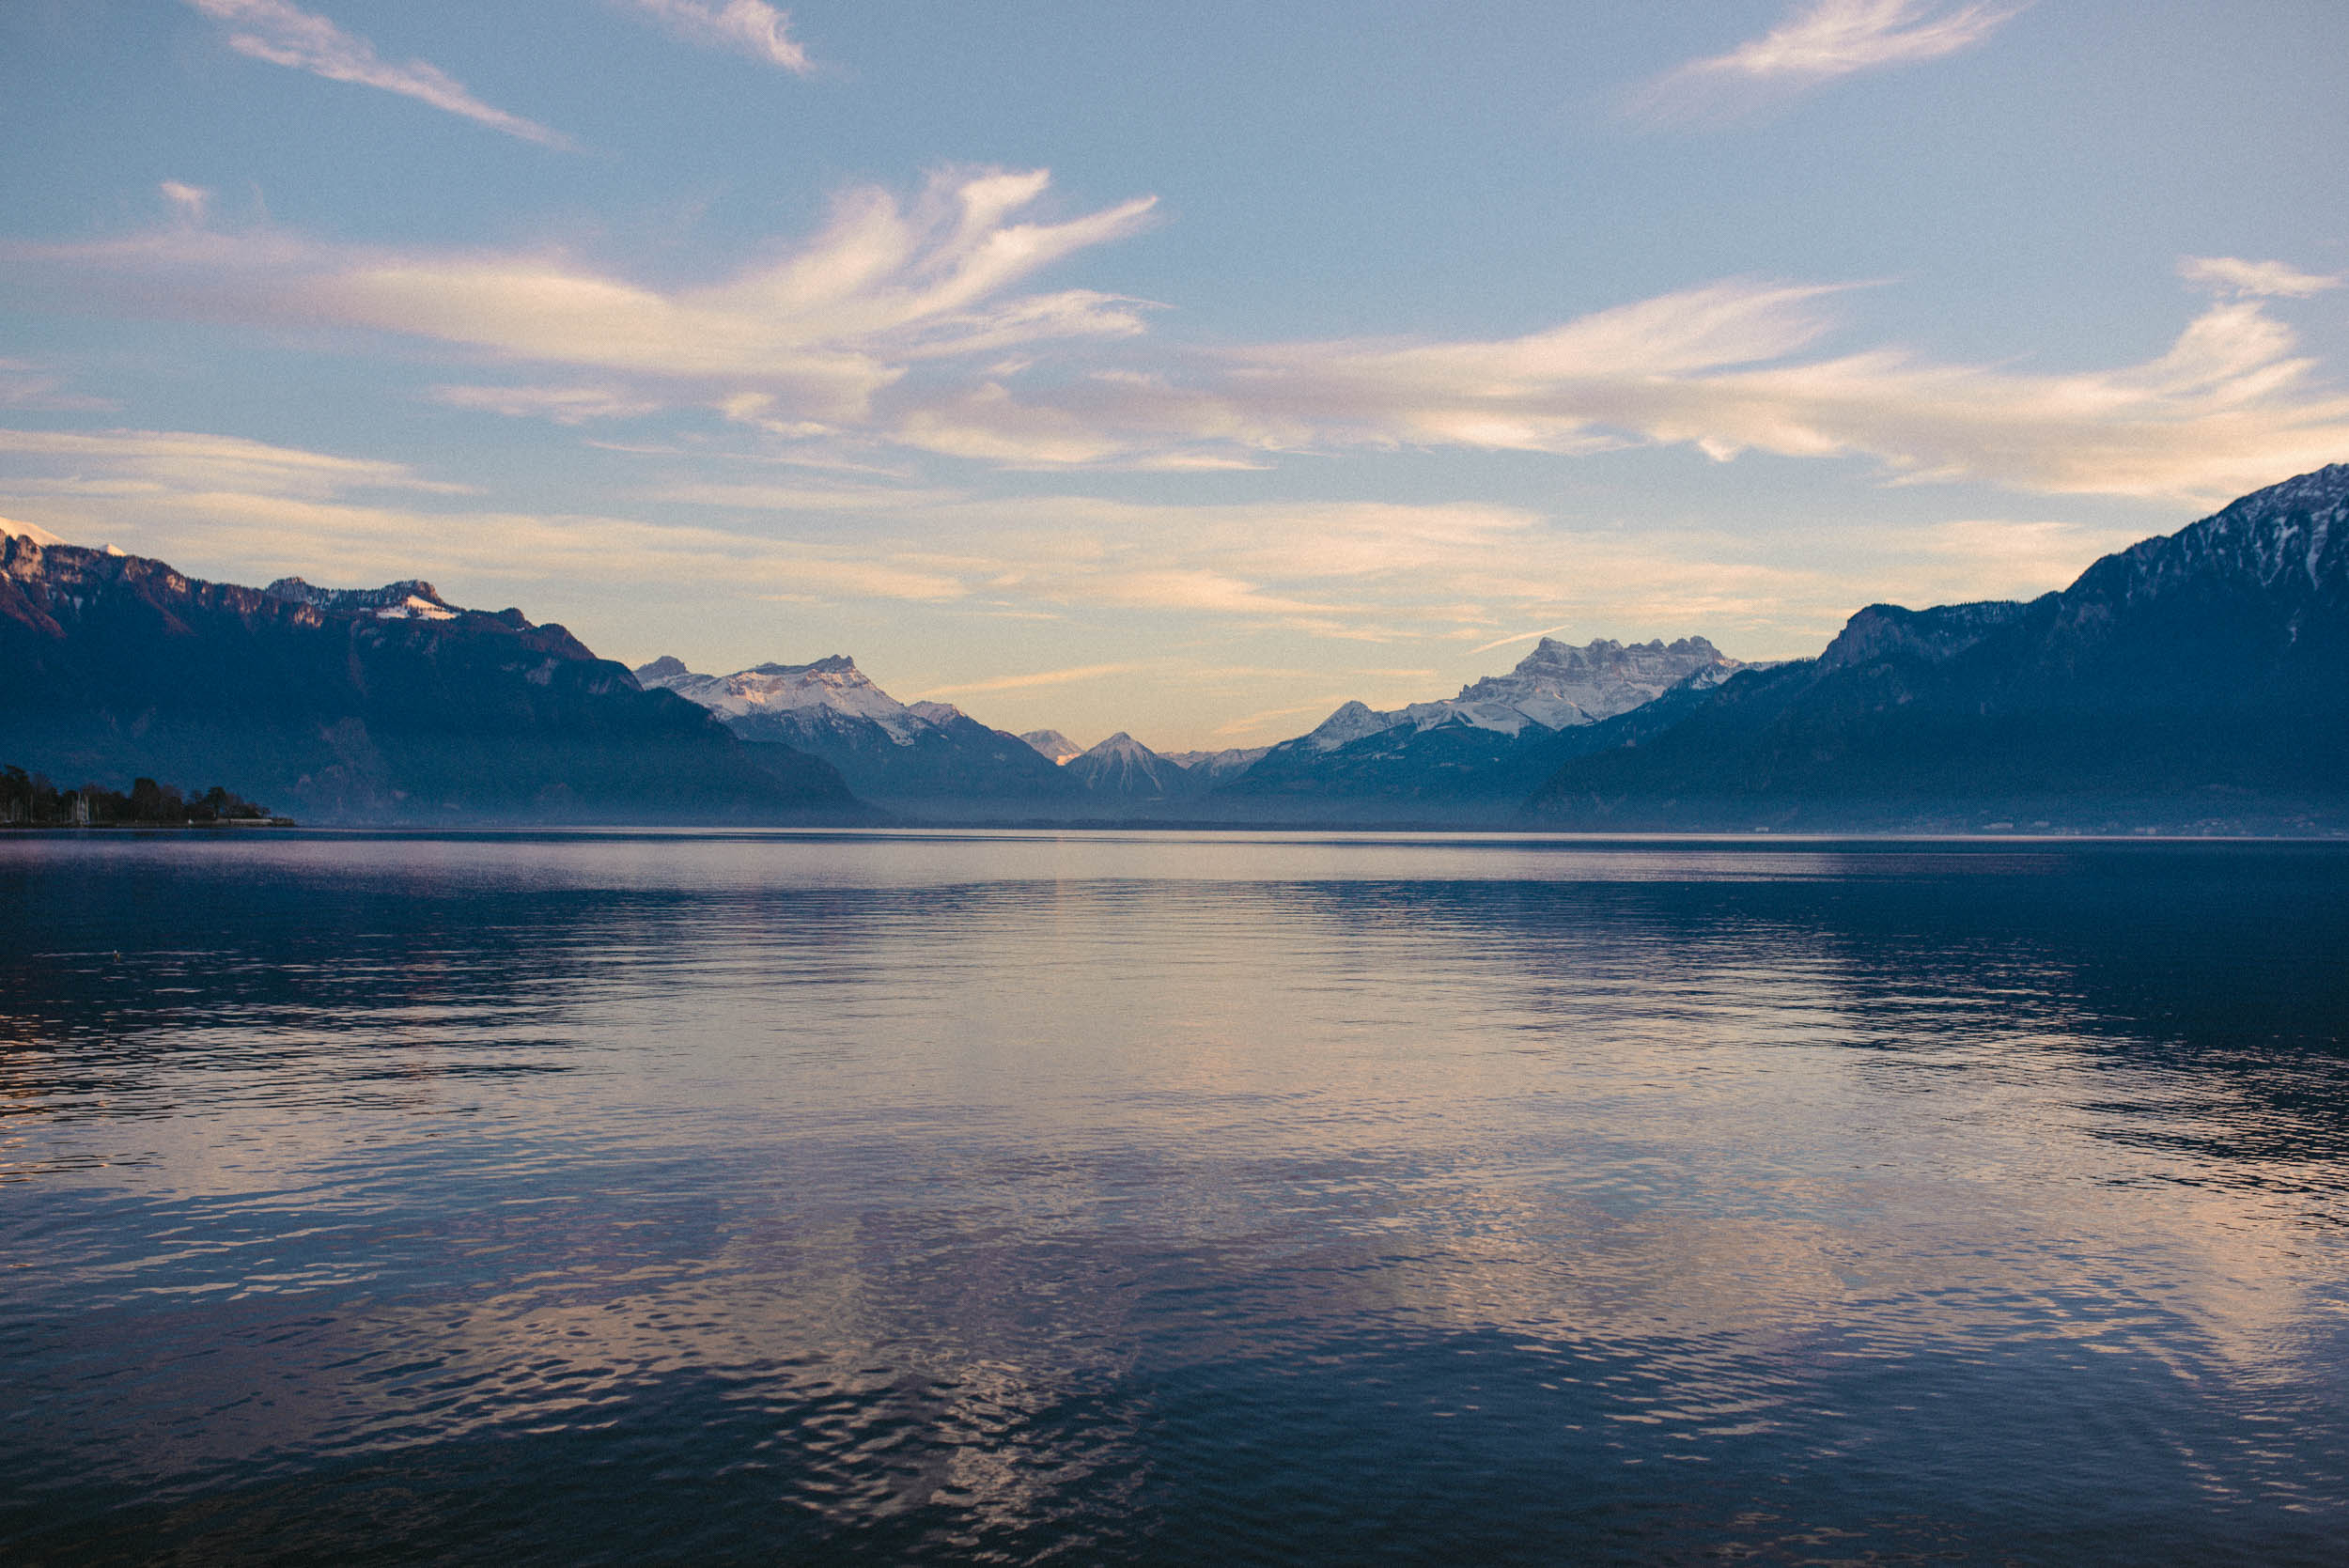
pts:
[379, 706]
[2201, 677]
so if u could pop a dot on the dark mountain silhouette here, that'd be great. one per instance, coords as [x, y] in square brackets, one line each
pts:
[2197, 678]
[382, 704]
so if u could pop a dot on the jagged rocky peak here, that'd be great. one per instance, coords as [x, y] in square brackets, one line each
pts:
[831, 685]
[1054, 745]
[1557, 669]
[413, 600]
[831, 665]
[1556, 686]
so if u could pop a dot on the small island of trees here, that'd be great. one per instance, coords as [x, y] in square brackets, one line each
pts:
[31, 801]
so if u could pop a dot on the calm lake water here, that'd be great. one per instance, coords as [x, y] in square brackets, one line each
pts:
[1183, 1199]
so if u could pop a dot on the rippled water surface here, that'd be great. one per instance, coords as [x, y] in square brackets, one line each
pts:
[1171, 1198]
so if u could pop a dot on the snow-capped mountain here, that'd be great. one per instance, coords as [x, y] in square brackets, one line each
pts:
[1218, 766]
[798, 695]
[1122, 766]
[1053, 745]
[927, 755]
[1557, 686]
[1481, 752]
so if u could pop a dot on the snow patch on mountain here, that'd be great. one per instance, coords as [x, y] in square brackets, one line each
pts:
[414, 600]
[26, 531]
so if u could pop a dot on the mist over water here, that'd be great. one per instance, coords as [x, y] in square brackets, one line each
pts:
[1171, 1198]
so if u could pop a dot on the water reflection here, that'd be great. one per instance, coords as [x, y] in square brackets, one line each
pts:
[1160, 1199]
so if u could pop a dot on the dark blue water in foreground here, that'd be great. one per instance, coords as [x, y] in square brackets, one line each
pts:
[1167, 1199]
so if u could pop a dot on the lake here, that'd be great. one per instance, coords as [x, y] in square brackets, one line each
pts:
[1171, 1198]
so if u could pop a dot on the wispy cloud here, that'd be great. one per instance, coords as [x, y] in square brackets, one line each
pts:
[2256, 279]
[186, 461]
[1024, 682]
[1818, 43]
[1727, 368]
[562, 405]
[226, 505]
[1432, 578]
[792, 345]
[891, 327]
[1519, 637]
[284, 34]
[744, 26]
[26, 385]
[192, 202]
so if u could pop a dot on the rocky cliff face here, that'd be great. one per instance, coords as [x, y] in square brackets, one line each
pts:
[1559, 684]
[370, 704]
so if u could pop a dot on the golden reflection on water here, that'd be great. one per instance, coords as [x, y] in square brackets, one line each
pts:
[914, 1146]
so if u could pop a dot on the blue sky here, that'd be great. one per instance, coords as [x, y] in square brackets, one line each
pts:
[1181, 369]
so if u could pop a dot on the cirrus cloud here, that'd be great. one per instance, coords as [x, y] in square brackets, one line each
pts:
[748, 27]
[285, 35]
[1818, 43]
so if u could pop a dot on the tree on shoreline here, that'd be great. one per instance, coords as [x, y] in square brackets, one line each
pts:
[33, 800]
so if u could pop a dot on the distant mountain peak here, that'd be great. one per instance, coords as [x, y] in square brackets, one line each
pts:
[832, 684]
[1556, 686]
[1054, 745]
[1125, 767]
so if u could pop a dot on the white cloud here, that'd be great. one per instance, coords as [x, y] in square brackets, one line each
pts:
[25, 385]
[1818, 43]
[2228, 274]
[284, 34]
[2232, 406]
[1027, 682]
[796, 343]
[190, 201]
[563, 405]
[860, 339]
[182, 460]
[744, 26]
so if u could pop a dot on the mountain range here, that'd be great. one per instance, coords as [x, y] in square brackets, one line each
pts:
[376, 704]
[2192, 680]
[2200, 679]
